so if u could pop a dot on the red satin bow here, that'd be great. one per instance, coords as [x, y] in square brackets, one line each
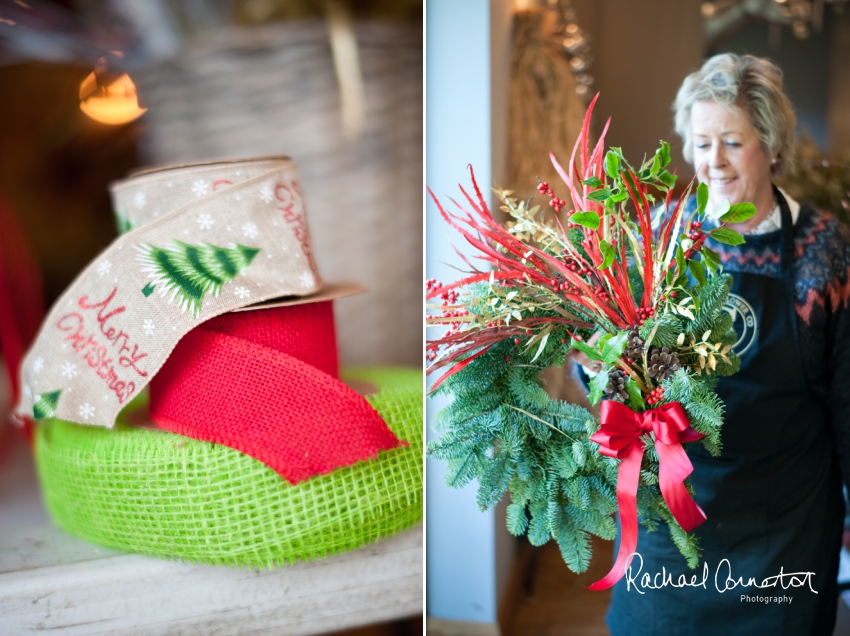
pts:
[619, 437]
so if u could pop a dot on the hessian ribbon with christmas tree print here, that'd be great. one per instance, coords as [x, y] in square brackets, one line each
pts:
[619, 437]
[199, 241]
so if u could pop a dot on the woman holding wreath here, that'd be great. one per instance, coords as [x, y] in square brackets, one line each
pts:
[773, 498]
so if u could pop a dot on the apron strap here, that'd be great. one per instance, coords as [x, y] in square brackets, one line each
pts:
[787, 266]
[786, 244]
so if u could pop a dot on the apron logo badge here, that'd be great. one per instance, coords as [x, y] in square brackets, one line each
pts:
[744, 322]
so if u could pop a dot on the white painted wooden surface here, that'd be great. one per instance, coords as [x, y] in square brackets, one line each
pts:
[53, 582]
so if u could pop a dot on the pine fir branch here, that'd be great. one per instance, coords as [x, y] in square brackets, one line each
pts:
[517, 520]
[712, 297]
[666, 328]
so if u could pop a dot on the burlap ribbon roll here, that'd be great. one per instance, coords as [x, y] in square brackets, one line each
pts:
[153, 492]
[201, 241]
[266, 383]
[208, 239]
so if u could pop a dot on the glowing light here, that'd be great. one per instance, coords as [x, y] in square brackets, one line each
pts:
[114, 104]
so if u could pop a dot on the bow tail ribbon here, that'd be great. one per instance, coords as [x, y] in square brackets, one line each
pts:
[673, 468]
[619, 436]
[628, 475]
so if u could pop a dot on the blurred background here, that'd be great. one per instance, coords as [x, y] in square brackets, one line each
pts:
[508, 81]
[91, 89]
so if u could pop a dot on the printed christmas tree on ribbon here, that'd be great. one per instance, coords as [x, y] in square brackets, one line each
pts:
[190, 271]
[45, 404]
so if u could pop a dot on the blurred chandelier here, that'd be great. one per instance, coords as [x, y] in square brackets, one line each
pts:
[804, 16]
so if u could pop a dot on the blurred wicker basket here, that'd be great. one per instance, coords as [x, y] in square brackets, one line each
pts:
[273, 90]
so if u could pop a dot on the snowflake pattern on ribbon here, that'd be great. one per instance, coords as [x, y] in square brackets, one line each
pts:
[205, 222]
[200, 188]
[249, 230]
[307, 280]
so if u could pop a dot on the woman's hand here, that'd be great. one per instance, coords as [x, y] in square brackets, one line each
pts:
[583, 360]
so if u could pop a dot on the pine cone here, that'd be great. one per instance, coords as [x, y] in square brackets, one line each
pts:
[616, 388]
[634, 345]
[662, 362]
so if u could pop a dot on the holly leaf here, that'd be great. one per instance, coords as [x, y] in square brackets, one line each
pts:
[739, 213]
[608, 254]
[586, 219]
[720, 211]
[702, 198]
[597, 387]
[586, 349]
[612, 164]
[664, 152]
[710, 258]
[593, 182]
[698, 271]
[727, 236]
[667, 179]
[614, 347]
[599, 195]
[636, 401]
[680, 260]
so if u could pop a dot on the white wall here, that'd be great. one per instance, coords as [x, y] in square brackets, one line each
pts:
[469, 553]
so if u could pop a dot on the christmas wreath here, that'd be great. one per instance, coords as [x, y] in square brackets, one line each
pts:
[634, 289]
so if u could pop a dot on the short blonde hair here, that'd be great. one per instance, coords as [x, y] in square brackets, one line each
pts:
[754, 85]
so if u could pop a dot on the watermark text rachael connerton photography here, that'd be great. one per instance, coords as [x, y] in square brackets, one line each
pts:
[724, 580]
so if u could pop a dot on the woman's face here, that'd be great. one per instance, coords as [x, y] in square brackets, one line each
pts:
[729, 157]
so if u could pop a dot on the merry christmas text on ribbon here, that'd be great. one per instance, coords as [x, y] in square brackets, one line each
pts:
[200, 241]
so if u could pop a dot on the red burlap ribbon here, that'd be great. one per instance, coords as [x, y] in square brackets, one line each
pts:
[266, 383]
[619, 436]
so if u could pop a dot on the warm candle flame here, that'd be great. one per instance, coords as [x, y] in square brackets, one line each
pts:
[114, 104]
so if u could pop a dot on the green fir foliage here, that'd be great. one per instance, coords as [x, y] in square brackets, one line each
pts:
[503, 430]
[710, 297]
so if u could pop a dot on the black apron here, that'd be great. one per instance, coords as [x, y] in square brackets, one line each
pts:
[773, 497]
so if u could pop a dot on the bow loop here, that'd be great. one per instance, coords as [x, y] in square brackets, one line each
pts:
[668, 421]
[620, 430]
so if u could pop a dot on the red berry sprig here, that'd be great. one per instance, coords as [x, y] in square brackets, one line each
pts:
[574, 266]
[696, 235]
[655, 396]
[432, 284]
[555, 202]
[644, 314]
[449, 297]
[602, 294]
